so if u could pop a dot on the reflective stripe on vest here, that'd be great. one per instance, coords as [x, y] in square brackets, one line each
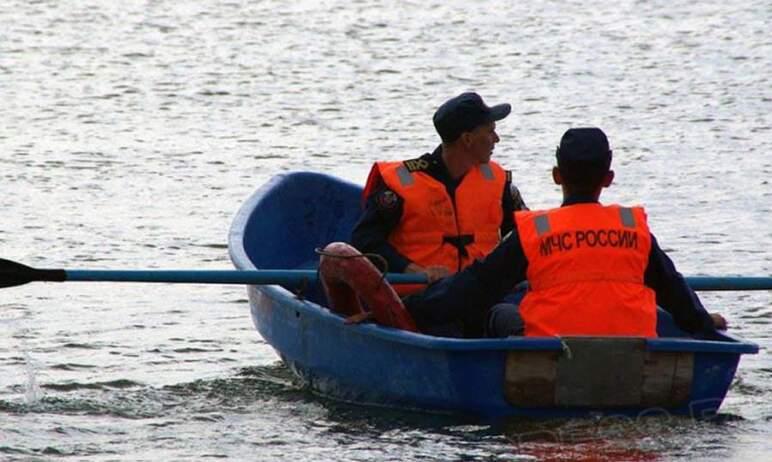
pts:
[626, 214]
[585, 269]
[486, 171]
[405, 177]
[542, 223]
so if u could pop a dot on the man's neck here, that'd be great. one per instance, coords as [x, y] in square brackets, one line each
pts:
[456, 162]
[575, 197]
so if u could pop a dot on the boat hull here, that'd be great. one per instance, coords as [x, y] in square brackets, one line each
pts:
[370, 364]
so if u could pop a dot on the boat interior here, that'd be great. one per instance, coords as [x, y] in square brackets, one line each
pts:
[298, 213]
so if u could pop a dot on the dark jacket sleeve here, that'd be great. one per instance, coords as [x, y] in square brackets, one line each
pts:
[382, 213]
[511, 202]
[674, 295]
[478, 287]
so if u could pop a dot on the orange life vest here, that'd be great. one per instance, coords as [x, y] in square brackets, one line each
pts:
[586, 264]
[435, 231]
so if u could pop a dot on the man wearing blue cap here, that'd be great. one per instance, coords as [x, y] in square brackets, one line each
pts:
[438, 213]
[592, 269]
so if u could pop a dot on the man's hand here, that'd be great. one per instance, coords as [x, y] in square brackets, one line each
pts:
[718, 321]
[433, 273]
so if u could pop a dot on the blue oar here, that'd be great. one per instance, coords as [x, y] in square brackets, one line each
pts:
[15, 274]
[730, 283]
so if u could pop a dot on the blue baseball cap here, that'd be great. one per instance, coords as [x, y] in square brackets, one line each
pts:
[584, 146]
[464, 113]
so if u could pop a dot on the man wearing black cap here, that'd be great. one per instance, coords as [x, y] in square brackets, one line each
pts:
[440, 212]
[592, 269]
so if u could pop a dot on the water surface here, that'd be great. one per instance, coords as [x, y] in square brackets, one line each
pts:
[132, 131]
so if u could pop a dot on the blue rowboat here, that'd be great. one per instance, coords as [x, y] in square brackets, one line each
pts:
[283, 222]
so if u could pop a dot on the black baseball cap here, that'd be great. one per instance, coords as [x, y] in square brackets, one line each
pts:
[584, 146]
[464, 113]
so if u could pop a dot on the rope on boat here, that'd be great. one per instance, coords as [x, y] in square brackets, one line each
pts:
[566, 349]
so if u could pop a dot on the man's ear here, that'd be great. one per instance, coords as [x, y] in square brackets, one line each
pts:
[608, 178]
[556, 176]
[466, 139]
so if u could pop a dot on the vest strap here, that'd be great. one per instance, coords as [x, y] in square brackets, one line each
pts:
[460, 242]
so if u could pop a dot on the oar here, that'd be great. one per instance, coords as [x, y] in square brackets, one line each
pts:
[730, 283]
[16, 274]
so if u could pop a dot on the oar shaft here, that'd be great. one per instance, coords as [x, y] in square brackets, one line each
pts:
[290, 277]
[282, 277]
[729, 283]
[298, 277]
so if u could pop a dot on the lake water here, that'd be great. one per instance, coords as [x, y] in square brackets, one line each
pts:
[131, 131]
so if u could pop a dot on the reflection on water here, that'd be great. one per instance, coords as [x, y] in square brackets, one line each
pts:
[31, 388]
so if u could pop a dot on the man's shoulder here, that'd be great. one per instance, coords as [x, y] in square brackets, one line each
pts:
[430, 162]
[494, 166]
[419, 164]
[636, 209]
[416, 164]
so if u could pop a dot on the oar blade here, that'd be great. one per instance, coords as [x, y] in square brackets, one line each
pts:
[15, 274]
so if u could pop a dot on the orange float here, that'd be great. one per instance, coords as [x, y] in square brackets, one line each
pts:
[350, 279]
